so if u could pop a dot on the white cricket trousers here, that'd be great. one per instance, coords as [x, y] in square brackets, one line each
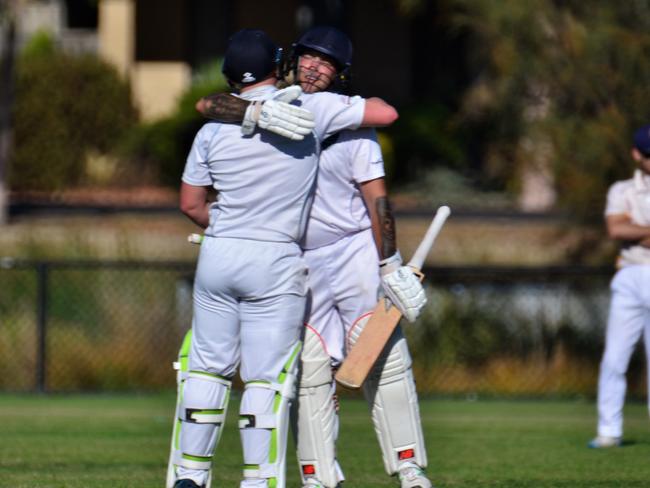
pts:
[344, 283]
[249, 306]
[629, 318]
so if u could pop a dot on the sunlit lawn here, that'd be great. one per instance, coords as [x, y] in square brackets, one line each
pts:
[122, 441]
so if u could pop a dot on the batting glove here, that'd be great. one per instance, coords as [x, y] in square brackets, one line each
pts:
[402, 287]
[279, 116]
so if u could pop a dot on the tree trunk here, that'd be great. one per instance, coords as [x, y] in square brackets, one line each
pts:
[6, 108]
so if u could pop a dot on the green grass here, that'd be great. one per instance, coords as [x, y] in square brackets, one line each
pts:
[122, 441]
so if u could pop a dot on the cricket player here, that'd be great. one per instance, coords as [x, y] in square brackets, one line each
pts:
[627, 216]
[351, 252]
[251, 280]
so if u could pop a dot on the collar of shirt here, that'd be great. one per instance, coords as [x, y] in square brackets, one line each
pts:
[641, 181]
[261, 92]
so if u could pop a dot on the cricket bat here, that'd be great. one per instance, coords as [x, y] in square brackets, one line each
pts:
[382, 323]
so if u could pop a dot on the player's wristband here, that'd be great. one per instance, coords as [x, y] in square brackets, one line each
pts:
[249, 122]
[388, 265]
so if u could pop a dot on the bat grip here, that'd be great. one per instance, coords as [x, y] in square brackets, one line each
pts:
[432, 232]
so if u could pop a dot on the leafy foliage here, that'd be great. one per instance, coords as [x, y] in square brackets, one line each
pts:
[164, 144]
[565, 74]
[65, 106]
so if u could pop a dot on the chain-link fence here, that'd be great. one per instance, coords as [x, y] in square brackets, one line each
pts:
[70, 326]
[515, 331]
[91, 325]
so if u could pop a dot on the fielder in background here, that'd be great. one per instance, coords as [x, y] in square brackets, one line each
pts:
[628, 220]
[251, 280]
[351, 252]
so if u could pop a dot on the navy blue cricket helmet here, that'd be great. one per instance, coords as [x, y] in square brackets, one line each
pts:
[251, 55]
[327, 40]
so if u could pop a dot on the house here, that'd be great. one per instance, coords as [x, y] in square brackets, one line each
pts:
[159, 44]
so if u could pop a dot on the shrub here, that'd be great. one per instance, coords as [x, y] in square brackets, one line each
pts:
[425, 138]
[65, 106]
[164, 144]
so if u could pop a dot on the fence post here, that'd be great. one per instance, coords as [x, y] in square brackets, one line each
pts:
[42, 270]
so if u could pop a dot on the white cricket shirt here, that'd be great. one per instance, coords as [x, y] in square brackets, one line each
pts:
[265, 182]
[631, 197]
[339, 209]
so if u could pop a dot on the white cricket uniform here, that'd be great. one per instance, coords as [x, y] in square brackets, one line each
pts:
[629, 314]
[250, 284]
[344, 281]
[339, 247]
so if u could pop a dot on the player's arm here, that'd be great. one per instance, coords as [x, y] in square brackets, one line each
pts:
[275, 115]
[399, 282]
[381, 216]
[195, 204]
[378, 113]
[621, 227]
[223, 107]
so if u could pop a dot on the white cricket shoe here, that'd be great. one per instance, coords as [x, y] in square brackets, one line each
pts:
[313, 483]
[412, 476]
[603, 442]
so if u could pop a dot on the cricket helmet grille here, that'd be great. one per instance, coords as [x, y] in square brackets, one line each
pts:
[327, 40]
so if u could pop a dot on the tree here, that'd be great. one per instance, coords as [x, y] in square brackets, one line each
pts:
[564, 77]
[9, 11]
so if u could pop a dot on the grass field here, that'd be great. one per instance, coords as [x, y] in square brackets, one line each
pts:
[122, 441]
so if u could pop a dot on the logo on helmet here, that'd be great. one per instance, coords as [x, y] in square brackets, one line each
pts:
[248, 78]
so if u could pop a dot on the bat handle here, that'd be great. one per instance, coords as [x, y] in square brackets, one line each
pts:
[195, 238]
[432, 232]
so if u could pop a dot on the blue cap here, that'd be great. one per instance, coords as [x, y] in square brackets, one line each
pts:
[250, 57]
[642, 140]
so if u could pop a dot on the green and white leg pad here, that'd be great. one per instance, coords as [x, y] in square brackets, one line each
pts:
[317, 418]
[182, 369]
[390, 391]
[264, 426]
[203, 413]
[200, 415]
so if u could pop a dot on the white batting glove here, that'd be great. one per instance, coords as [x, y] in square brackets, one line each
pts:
[402, 287]
[279, 116]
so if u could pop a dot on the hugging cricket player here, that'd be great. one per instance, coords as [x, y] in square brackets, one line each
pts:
[250, 285]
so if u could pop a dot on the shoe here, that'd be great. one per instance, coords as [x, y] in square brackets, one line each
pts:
[186, 483]
[312, 483]
[412, 476]
[603, 441]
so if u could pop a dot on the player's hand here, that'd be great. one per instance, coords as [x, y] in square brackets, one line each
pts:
[402, 287]
[279, 116]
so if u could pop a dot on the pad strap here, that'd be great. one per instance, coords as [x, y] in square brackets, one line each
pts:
[215, 378]
[192, 462]
[257, 421]
[285, 388]
[260, 471]
[198, 416]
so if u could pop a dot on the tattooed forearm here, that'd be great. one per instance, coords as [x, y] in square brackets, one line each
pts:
[223, 107]
[387, 222]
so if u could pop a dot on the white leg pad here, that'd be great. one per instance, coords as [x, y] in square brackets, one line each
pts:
[390, 391]
[317, 417]
[274, 401]
[201, 414]
[182, 369]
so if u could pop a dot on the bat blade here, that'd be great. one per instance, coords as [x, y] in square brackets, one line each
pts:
[374, 336]
[372, 340]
